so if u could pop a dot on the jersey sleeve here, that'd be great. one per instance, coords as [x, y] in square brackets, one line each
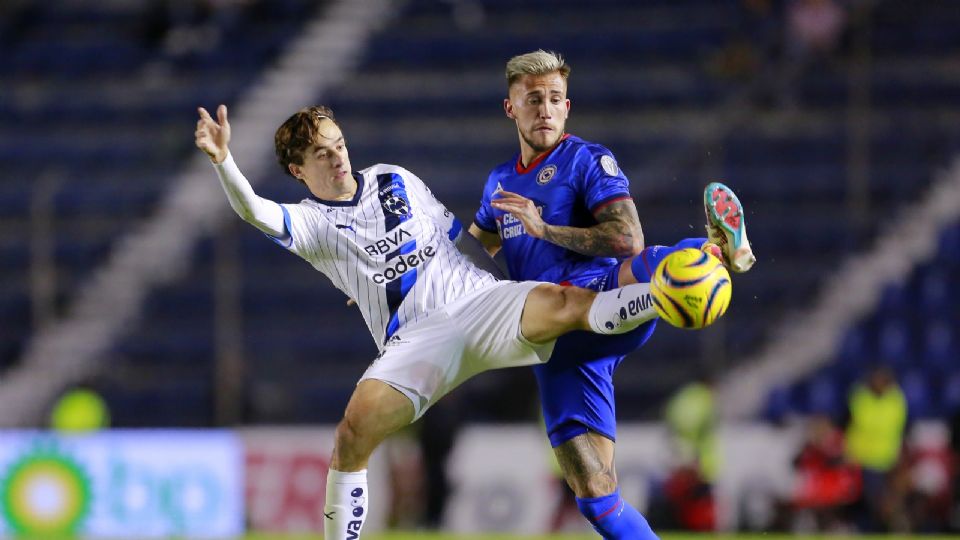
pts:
[602, 180]
[263, 214]
[441, 216]
[485, 218]
[285, 241]
[305, 232]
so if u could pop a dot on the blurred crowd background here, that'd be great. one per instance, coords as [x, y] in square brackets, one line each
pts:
[837, 122]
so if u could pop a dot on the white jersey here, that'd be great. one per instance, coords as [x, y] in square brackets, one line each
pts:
[391, 248]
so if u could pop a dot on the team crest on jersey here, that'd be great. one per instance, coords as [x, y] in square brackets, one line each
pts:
[396, 205]
[609, 165]
[546, 174]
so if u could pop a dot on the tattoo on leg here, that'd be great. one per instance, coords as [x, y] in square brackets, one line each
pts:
[584, 467]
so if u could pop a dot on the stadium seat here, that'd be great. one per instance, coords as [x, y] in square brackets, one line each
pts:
[921, 397]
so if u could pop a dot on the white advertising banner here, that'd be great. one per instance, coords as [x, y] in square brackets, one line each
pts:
[143, 483]
[503, 478]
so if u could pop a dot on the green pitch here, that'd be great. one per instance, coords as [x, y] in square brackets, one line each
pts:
[664, 536]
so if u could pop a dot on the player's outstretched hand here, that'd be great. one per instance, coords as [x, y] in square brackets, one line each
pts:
[213, 136]
[523, 209]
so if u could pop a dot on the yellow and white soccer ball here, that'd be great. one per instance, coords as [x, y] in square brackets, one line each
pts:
[690, 289]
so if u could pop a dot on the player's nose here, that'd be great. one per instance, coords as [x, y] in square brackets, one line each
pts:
[341, 160]
[543, 109]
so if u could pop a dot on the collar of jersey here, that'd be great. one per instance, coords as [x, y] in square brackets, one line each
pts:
[533, 164]
[352, 202]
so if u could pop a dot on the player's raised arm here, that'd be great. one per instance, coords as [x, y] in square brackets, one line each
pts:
[213, 138]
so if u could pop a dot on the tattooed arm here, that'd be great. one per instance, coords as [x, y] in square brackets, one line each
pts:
[618, 233]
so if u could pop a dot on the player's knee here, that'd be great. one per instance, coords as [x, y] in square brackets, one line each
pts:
[573, 305]
[346, 436]
[592, 485]
[552, 310]
[348, 444]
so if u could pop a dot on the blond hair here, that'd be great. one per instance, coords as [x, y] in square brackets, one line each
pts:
[539, 62]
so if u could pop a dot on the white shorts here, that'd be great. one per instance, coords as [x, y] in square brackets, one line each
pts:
[428, 358]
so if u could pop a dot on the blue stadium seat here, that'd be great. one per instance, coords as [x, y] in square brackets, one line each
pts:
[857, 350]
[950, 396]
[824, 396]
[921, 398]
[894, 299]
[895, 343]
[933, 288]
[949, 250]
[940, 347]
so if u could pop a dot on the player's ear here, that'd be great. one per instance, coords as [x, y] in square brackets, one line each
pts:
[508, 109]
[294, 170]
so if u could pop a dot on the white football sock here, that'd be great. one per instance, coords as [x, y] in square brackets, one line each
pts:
[621, 310]
[346, 506]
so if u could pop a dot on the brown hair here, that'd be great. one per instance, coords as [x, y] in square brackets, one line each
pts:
[297, 133]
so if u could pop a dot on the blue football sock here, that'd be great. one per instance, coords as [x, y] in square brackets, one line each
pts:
[646, 262]
[612, 517]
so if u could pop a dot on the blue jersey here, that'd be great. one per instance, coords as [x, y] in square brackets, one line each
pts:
[568, 185]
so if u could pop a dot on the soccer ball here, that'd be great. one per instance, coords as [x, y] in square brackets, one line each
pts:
[690, 289]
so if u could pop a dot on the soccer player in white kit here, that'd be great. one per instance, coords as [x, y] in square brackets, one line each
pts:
[381, 237]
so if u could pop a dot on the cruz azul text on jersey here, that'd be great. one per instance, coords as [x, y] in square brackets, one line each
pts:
[511, 227]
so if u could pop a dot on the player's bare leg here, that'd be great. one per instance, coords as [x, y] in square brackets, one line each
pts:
[375, 410]
[553, 310]
[587, 464]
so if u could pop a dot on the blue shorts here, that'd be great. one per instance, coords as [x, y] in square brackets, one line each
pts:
[576, 385]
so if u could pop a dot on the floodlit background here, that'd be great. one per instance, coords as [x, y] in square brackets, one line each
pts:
[132, 297]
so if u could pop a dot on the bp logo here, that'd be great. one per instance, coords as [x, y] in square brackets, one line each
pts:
[44, 492]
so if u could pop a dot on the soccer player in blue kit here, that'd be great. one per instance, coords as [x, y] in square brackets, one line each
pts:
[561, 211]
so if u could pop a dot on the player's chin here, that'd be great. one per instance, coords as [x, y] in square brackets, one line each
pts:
[544, 139]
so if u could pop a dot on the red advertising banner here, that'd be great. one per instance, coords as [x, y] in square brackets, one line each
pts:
[286, 480]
